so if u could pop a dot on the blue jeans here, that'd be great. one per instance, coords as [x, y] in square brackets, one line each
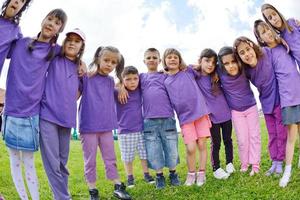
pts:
[21, 133]
[161, 140]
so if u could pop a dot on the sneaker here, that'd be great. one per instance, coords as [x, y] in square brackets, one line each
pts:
[130, 183]
[220, 174]
[174, 179]
[94, 194]
[244, 168]
[190, 179]
[272, 169]
[285, 179]
[120, 192]
[201, 178]
[160, 182]
[255, 170]
[149, 179]
[230, 168]
[278, 170]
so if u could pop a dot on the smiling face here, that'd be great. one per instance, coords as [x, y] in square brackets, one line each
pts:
[107, 62]
[230, 64]
[247, 54]
[173, 63]
[273, 17]
[208, 65]
[13, 8]
[72, 46]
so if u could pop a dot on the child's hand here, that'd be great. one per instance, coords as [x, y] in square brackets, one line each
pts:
[82, 69]
[122, 94]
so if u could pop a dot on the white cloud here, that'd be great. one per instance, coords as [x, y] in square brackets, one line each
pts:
[132, 26]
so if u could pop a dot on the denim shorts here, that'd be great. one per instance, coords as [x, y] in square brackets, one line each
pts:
[21, 133]
[161, 140]
[290, 115]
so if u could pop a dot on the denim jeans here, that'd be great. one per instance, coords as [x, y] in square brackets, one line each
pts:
[161, 140]
[21, 133]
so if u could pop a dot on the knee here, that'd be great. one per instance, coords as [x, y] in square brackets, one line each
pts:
[191, 150]
[202, 144]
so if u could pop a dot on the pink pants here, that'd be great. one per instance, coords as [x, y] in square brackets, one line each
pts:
[90, 142]
[247, 128]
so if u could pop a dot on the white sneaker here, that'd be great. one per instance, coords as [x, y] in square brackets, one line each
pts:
[285, 179]
[220, 174]
[201, 178]
[190, 179]
[230, 168]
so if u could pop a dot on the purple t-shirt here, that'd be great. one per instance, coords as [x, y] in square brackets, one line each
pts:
[58, 104]
[97, 109]
[237, 91]
[9, 32]
[287, 76]
[216, 102]
[293, 39]
[130, 117]
[26, 78]
[263, 78]
[186, 97]
[156, 103]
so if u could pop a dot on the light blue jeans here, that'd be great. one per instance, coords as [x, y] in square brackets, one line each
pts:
[21, 133]
[161, 140]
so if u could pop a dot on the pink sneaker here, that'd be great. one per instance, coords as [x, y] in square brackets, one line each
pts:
[190, 179]
[201, 178]
[244, 168]
[255, 170]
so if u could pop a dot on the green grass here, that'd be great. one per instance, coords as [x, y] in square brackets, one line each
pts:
[238, 186]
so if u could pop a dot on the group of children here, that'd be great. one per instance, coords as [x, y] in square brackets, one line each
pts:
[208, 99]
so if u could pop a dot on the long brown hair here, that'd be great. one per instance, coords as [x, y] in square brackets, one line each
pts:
[62, 16]
[257, 49]
[209, 53]
[284, 21]
[258, 23]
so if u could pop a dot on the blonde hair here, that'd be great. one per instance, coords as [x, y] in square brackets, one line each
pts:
[94, 66]
[169, 51]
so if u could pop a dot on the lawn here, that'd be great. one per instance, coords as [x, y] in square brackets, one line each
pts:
[238, 186]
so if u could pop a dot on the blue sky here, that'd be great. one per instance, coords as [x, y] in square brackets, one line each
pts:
[135, 25]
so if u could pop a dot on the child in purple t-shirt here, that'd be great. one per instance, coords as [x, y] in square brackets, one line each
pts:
[30, 59]
[160, 133]
[289, 29]
[192, 112]
[257, 63]
[243, 107]
[98, 117]
[130, 122]
[220, 114]
[288, 79]
[58, 112]
[9, 25]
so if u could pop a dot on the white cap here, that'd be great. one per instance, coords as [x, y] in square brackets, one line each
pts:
[78, 32]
